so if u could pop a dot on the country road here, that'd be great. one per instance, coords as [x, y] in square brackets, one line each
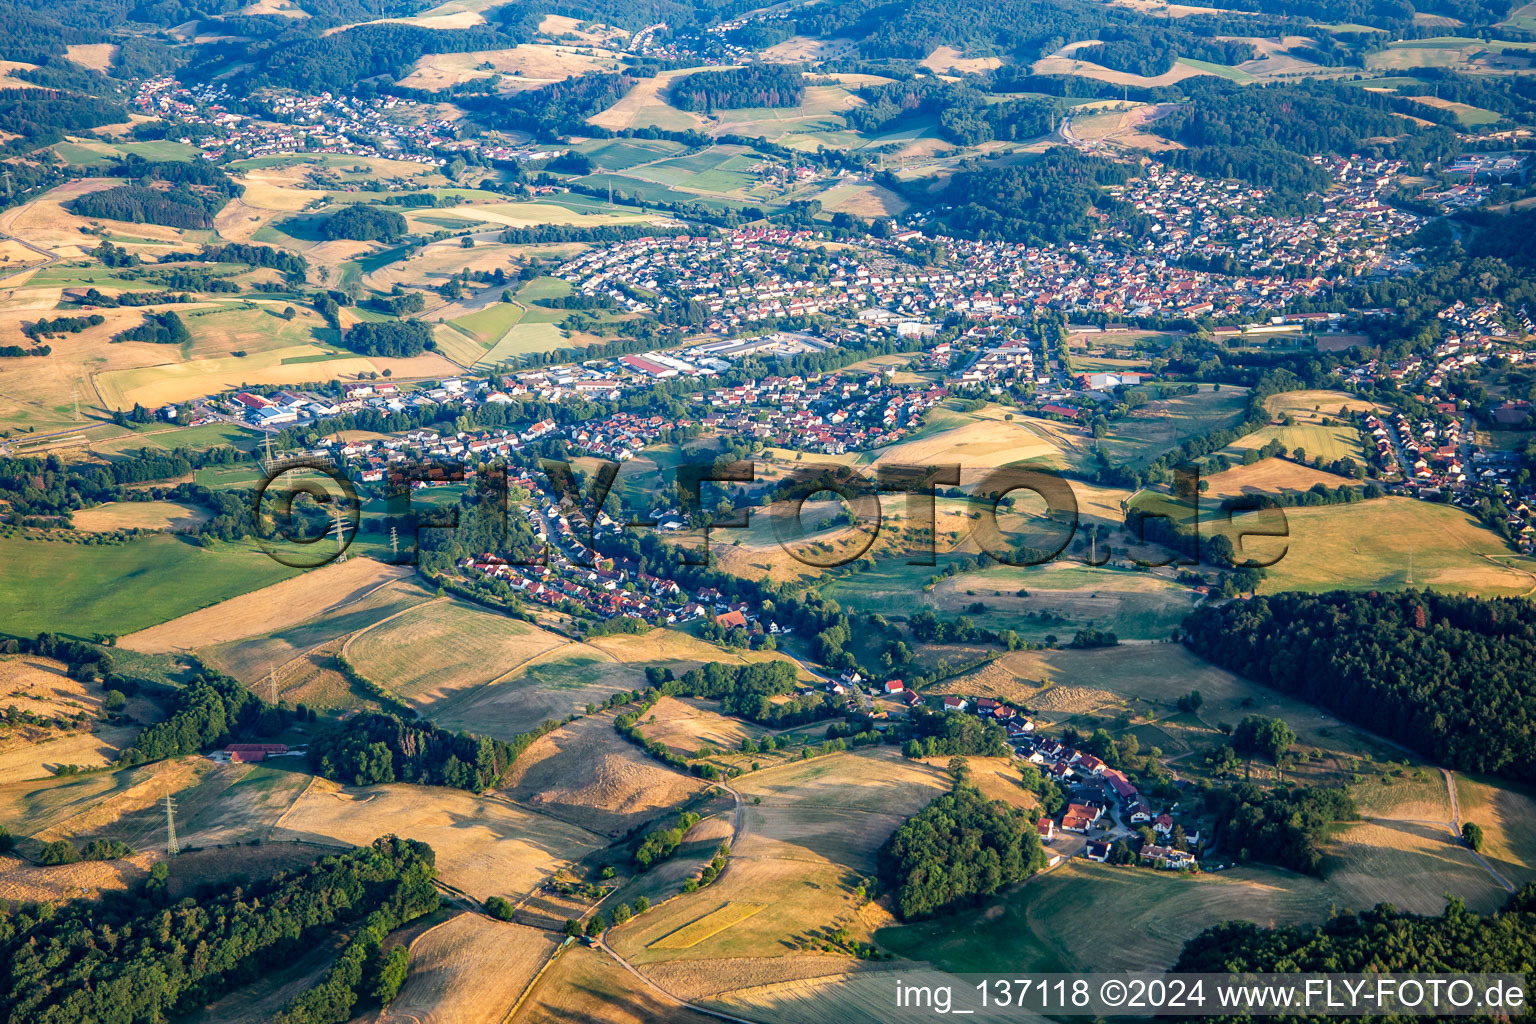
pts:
[1455, 824]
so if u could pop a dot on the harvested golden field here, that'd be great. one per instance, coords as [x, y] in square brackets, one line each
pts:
[1148, 680]
[1057, 64]
[867, 201]
[591, 32]
[1507, 815]
[269, 609]
[319, 639]
[247, 807]
[45, 749]
[589, 986]
[556, 684]
[485, 846]
[527, 66]
[1365, 546]
[95, 56]
[45, 222]
[685, 726]
[1412, 866]
[646, 104]
[985, 444]
[1269, 476]
[468, 970]
[71, 805]
[710, 924]
[587, 774]
[948, 59]
[23, 882]
[430, 653]
[141, 515]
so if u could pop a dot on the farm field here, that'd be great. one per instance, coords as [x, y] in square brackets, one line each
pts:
[586, 985]
[141, 515]
[1096, 687]
[1408, 864]
[485, 846]
[1365, 546]
[429, 653]
[296, 599]
[1507, 815]
[55, 585]
[1142, 919]
[1268, 476]
[810, 833]
[1151, 430]
[469, 970]
[687, 725]
[587, 774]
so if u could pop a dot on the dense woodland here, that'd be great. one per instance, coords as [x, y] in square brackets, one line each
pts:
[1051, 199]
[958, 850]
[166, 328]
[336, 62]
[396, 339]
[138, 957]
[1448, 676]
[360, 222]
[372, 748]
[756, 85]
[1284, 826]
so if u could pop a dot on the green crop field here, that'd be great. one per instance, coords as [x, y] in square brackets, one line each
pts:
[1151, 430]
[490, 324]
[85, 590]
[1229, 73]
[621, 154]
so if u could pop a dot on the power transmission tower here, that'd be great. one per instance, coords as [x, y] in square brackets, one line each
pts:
[341, 546]
[74, 393]
[272, 686]
[394, 541]
[268, 441]
[1410, 567]
[172, 847]
[7, 183]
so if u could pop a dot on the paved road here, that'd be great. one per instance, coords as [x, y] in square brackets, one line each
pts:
[49, 258]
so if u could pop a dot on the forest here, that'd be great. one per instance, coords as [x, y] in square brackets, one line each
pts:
[1284, 826]
[362, 223]
[136, 204]
[397, 339]
[1383, 940]
[337, 62]
[1048, 200]
[1447, 676]
[166, 328]
[956, 851]
[1153, 52]
[756, 85]
[372, 748]
[138, 958]
[749, 691]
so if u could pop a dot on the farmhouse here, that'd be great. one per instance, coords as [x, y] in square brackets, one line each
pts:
[1097, 851]
[1166, 857]
[249, 753]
